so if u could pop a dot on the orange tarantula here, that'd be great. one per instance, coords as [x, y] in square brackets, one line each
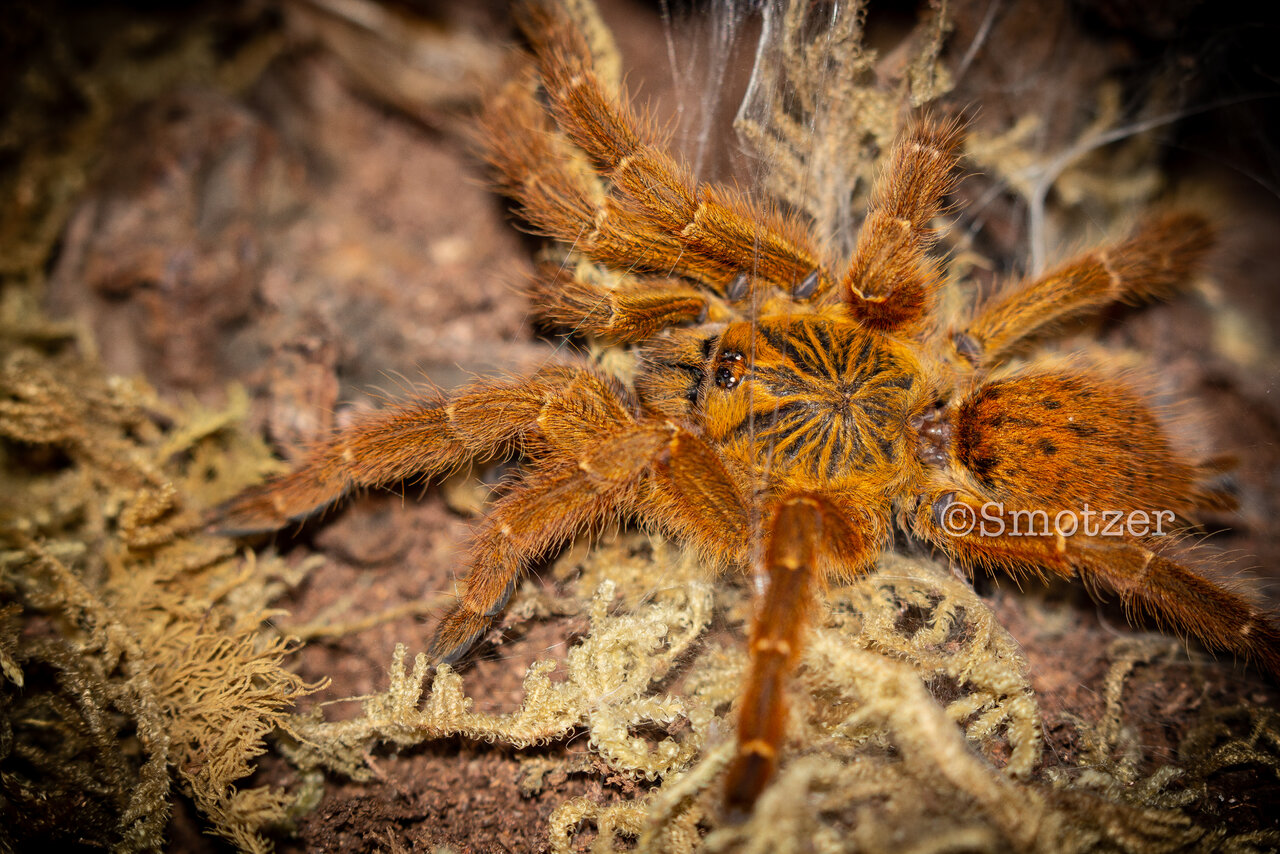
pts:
[790, 410]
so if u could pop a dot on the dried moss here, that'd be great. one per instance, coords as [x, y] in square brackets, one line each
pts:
[135, 652]
[822, 111]
[604, 692]
[915, 726]
[1089, 186]
[145, 658]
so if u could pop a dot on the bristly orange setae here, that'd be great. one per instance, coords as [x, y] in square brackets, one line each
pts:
[791, 410]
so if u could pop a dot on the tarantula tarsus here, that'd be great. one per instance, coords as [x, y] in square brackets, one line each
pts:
[785, 417]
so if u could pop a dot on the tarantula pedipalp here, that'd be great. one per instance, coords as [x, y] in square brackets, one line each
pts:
[784, 417]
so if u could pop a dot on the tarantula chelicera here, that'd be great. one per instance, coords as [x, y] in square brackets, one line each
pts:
[788, 412]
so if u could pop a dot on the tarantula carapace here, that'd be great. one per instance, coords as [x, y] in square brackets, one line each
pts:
[786, 418]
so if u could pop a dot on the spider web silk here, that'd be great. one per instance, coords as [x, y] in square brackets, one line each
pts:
[776, 73]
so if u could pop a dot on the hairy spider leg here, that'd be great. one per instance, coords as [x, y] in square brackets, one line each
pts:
[806, 538]
[573, 489]
[1160, 255]
[563, 199]
[891, 279]
[629, 313]
[422, 438]
[714, 227]
[797, 532]
[547, 506]
[1146, 581]
[695, 497]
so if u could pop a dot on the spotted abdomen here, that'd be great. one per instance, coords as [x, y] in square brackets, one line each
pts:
[1062, 441]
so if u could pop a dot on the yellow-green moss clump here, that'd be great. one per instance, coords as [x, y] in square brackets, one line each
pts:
[138, 659]
[876, 761]
[134, 649]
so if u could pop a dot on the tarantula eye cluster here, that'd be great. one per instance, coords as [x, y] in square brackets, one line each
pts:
[729, 369]
[860, 410]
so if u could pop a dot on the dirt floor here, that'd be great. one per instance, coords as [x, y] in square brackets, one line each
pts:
[321, 231]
